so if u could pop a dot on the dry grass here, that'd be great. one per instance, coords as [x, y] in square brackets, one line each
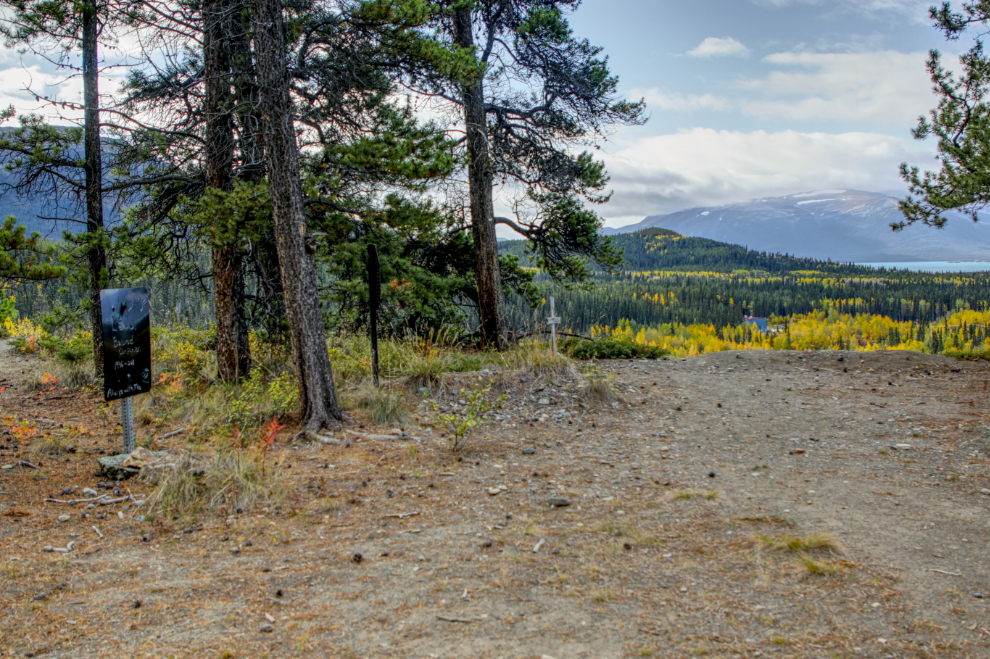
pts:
[52, 445]
[695, 494]
[798, 544]
[232, 479]
[537, 359]
[387, 407]
[818, 568]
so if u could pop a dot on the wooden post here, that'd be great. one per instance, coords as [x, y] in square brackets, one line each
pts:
[553, 321]
[374, 301]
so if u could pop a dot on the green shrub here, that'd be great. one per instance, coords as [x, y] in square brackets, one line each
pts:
[609, 348]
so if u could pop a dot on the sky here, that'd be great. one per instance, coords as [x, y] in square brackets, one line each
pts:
[754, 98]
[746, 98]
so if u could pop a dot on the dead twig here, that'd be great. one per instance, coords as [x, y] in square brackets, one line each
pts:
[403, 515]
[463, 620]
[72, 502]
[952, 574]
[173, 433]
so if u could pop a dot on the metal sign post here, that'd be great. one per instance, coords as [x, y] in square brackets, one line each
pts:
[553, 321]
[374, 301]
[126, 351]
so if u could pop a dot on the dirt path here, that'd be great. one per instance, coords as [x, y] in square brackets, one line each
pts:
[658, 553]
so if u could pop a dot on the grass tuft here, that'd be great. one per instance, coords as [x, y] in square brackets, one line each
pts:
[232, 479]
[796, 544]
[52, 445]
[387, 407]
[696, 494]
[818, 568]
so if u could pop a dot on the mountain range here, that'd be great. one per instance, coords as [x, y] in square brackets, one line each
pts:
[841, 225]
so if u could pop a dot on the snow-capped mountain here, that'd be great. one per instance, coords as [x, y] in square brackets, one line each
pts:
[842, 225]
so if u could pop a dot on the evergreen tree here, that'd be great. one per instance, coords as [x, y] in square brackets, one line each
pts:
[960, 123]
[540, 93]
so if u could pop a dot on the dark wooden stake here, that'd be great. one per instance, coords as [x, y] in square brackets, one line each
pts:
[374, 301]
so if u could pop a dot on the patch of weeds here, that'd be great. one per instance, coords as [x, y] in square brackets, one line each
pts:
[538, 359]
[386, 407]
[324, 505]
[602, 596]
[779, 640]
[611, 348]
[646, 651]
[798, 544]
[696, 494]
[599, 388]
[232, 479]
[53, 445]
[698, 650]
[474, 413]
[818, 568]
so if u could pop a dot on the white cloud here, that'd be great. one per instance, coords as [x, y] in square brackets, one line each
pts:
[719, 47]
[914, 10]
[663, 99]
[887, 88]
[706, 167]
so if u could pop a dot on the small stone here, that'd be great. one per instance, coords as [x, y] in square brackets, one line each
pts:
[64, 518]
[683, 589]
[978, 596]
[357, 558]
[89, 492]
[39, 597]
[486, 543]
[901, 447]
[544, 401]
[140, 518]
[557, 502]
[91, 506]
[7, 467]
[494, 490]
[422, 391]
[266, 629]
[528, 451]
[985, 491]
[421, 559]
[48, 548]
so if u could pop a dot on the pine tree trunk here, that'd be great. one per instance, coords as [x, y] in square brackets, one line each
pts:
[233, 351]
[93, 167]
[317, 398]
[491, 310]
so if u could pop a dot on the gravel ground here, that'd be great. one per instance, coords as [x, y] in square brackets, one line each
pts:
[400, 548]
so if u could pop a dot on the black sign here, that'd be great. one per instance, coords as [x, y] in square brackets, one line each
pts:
[126, 342]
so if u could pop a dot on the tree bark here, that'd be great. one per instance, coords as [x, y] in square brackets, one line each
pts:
[317, 398]
[233, 349]
[93, 168]
[491, 310]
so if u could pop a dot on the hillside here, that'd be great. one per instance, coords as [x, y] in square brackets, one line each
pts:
[841, 225]
[664, 249]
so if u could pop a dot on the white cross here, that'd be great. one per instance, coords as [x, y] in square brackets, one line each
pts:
[553, 321]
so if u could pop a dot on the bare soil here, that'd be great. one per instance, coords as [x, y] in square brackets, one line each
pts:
[383, 550]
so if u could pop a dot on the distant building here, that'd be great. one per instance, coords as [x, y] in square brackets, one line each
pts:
[761, 323]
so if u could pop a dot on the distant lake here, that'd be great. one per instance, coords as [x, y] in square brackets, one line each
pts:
[934, 266]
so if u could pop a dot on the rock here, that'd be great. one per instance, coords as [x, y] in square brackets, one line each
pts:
[64, 518]
[494, 490]
[48, 548]
[985, 491]
[486, 543]
[558, 502]
[978, 596]
[544, 401]
[266, 629]
[89, 492]
[901, 447]
[7, 467]
[39, 597]
[528, 451]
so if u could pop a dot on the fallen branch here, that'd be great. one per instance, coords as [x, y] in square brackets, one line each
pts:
[364, 435]
[538, 545]
[403, 515]
[464, 620]
[73, 502]
[98, 532]
[172, 434]
[951, 574]
[25, 463]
